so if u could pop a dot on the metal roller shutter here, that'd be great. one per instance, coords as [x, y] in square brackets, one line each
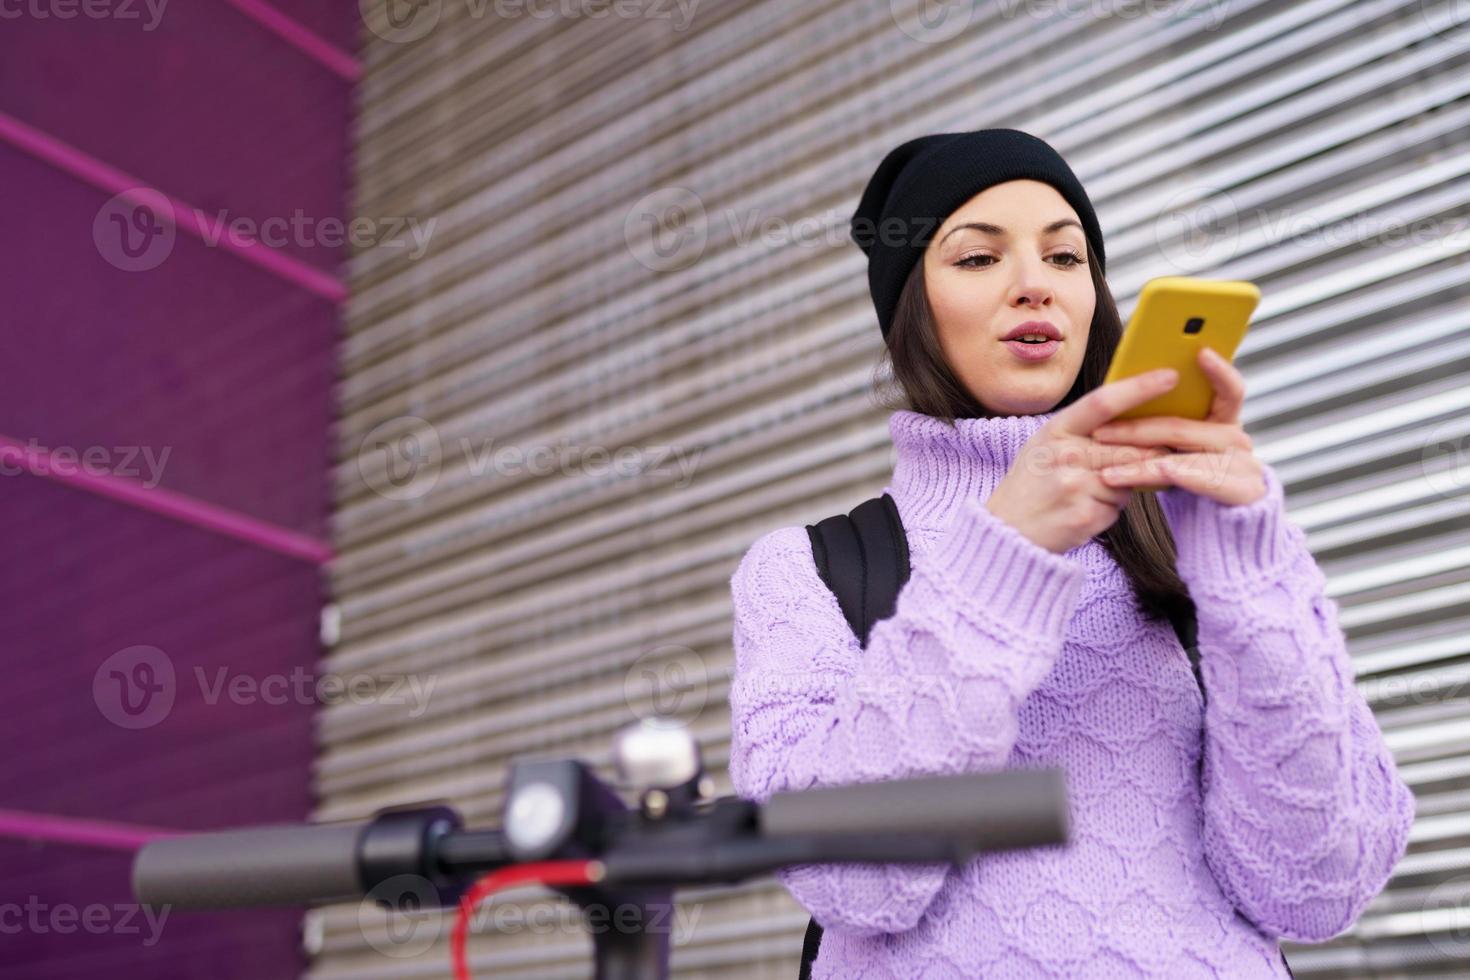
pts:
[1317, 148]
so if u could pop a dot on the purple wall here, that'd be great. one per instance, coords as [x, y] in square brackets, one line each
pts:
[223, 366]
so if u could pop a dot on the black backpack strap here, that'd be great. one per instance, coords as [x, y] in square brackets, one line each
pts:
[863, 557]
[810, 943]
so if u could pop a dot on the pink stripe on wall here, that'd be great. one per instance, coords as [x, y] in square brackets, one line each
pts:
[84, 833]
[300, 38]
[168, 503]
[172, 210]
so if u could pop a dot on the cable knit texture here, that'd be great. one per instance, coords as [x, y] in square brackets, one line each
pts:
[1199, 836]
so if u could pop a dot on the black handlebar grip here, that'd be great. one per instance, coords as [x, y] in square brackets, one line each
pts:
[289, 864]
[986, 811]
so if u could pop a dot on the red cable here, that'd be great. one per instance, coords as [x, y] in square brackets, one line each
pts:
[543, 872]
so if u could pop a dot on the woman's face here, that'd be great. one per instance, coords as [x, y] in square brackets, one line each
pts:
[1011, 254]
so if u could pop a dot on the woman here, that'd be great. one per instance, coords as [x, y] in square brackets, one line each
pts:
[1033, 629]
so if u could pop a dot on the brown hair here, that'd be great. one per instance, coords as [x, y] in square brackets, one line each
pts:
[1140, 541]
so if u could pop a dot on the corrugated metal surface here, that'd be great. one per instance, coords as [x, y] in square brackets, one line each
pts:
[1220, 140]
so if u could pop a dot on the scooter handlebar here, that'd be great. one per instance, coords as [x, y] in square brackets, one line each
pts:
[290, 864]
[980, 811]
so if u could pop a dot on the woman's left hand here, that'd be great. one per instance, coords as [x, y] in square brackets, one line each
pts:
[1214, 458]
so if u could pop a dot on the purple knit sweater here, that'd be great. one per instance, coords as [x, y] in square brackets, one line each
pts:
[1002, 654]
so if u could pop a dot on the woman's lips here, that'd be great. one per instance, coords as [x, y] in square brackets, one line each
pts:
[1033, 352]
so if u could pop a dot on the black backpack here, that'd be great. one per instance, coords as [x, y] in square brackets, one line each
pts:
[863, 556]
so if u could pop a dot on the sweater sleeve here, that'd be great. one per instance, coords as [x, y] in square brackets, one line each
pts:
[976, 628]
[1305, 813]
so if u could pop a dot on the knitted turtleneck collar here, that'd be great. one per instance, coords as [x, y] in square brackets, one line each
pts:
[937, 466]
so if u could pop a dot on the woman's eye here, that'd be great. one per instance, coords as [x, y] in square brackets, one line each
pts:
[983, 261]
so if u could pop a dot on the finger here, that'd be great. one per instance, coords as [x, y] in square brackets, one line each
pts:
[1105, 493]
[1228, 383]
[1186, 435]
[1103, 455]
[1142, 473]
[1091, 455]
[1115, 497]
[1104, 402]
[1207, 474]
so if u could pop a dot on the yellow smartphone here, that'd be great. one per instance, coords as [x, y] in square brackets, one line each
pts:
[1175, 317]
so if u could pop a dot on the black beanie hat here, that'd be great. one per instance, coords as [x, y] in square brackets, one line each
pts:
[922, 182]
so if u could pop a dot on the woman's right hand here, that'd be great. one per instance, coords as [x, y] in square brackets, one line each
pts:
[1052, 493]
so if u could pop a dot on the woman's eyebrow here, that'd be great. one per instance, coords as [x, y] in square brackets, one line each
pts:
[991, 229]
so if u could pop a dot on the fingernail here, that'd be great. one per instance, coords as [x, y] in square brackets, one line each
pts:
[1166, 375]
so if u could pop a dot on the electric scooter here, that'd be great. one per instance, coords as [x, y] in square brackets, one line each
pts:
[564, 827]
